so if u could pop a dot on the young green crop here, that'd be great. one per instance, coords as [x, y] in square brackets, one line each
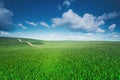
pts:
[61, 60]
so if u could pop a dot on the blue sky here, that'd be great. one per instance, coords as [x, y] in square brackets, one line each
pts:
[61, 19]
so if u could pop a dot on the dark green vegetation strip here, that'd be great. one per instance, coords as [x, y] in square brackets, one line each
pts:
[62, 60]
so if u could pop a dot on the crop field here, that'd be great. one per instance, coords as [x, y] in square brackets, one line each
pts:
[59, 60]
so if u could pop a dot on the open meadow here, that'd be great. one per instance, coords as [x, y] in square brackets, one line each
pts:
[59, 60]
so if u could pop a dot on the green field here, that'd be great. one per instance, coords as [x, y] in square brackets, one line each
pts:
[59, 60]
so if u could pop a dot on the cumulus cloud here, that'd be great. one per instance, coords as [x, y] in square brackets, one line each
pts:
[4, 33]
[112, 27]
[22, 26]
[75, 22]
[44, 24]
[66, 3]
[5, 18]
[85, 23]
[31, 23]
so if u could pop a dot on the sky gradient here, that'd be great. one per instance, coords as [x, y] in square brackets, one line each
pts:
[96, 20]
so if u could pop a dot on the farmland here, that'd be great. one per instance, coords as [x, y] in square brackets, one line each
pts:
[59, 60]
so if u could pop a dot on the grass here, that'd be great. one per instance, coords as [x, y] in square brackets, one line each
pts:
[59, 60]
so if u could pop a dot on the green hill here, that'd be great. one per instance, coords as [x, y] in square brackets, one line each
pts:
[13, 42]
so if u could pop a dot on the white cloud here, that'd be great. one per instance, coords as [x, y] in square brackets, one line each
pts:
[66, 3]
[4, 33]
[116, 35]
[73, 21]
[112, 27]
[81, 36]
[31, 23]
[53, 36]
[100, 30]
[85, 23]
[44, 24]
[22, 26]
[109, 16]
[5, 18]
